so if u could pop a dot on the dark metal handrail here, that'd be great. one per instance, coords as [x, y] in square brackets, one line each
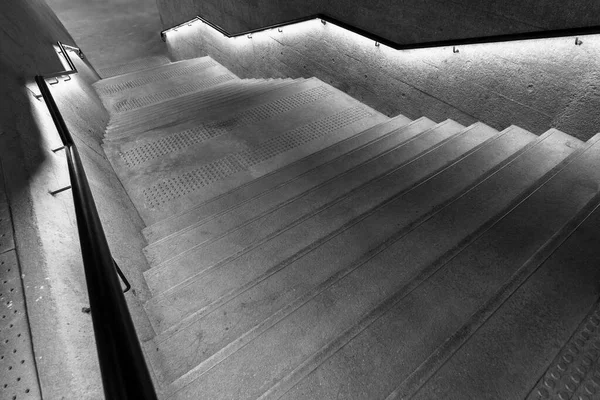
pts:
[125, 375]
[398, 46]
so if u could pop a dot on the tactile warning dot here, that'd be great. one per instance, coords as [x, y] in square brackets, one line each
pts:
[131, 104]
[575, 372]
[181, 140]
[173, 188]
[18, 378]
[171, 73]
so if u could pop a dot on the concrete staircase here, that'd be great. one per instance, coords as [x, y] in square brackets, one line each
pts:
[304, 246]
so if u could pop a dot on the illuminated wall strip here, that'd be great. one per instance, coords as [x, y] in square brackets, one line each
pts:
[397, 46]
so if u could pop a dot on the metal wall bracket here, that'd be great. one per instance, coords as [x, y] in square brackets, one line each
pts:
[55, 192]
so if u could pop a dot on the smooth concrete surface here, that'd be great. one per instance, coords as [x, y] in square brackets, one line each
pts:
[45, 231]
[538, 85]
[112, 32]
[404, 22]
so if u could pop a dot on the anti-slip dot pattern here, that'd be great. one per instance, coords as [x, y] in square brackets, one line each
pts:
[172, 73]
[189, 137]
[18, 379]
[127, 105]
[173, 188]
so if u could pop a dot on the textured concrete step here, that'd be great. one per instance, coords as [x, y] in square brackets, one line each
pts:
[108, 88]
[312, 273]
[348, 190]
[322, 102]
[302, 335]
[183, 190]
[576, 369]
[133, 66]
[188, 108]
[182, 85]
[512, 347]
[233, 94]
[282, 103]
[192, 114]
[194, 236]
[172, 93]
[172, 112]
[274, 181]
[404, 335]
[245, 270]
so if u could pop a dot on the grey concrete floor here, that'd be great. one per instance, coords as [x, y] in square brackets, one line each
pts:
[112, 32]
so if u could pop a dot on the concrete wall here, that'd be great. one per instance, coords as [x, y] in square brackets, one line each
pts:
[537, 84]
[402, 21]
[112, 32]
[44, 225]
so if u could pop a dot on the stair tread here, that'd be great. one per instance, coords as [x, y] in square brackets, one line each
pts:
[194, 235]
[119, 101]
[407, 340]
[145, 72]
[531, 324]
[348, 189]
[312, 273]
[187, 108]
[153, 149]
[242, 161]
[197, 112]
[109, 89]
[239, 195]
[326, 316]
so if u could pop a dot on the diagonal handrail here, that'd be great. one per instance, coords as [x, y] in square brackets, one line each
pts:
[394, 45]
[125, 375]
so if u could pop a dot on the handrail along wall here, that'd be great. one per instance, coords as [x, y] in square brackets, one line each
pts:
[394, 45]
[125, 375]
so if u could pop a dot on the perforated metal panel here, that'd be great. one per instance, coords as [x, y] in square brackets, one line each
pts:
[127, 105]
[172, 73]
[575, 373]
[170, 189]
[189, 137]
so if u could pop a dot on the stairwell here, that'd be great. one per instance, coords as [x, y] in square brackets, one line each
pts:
[305, 246]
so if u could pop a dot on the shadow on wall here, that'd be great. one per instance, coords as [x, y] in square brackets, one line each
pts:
[28, 30]
[18, 130]
[536, 84]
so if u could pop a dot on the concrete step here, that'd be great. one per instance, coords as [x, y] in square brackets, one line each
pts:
[243, 159]
[276, 103]
[177, 111]
[230, 271]
[327, 198]
[187, 108]
[299, 340]
[202, 111]
[108, 88]
[271, 182]
[172, 93]
[413, 333]
[133, 66]
[197, 234]
[245, 89]
[181, 83]
[506, 347]
[313, 272]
